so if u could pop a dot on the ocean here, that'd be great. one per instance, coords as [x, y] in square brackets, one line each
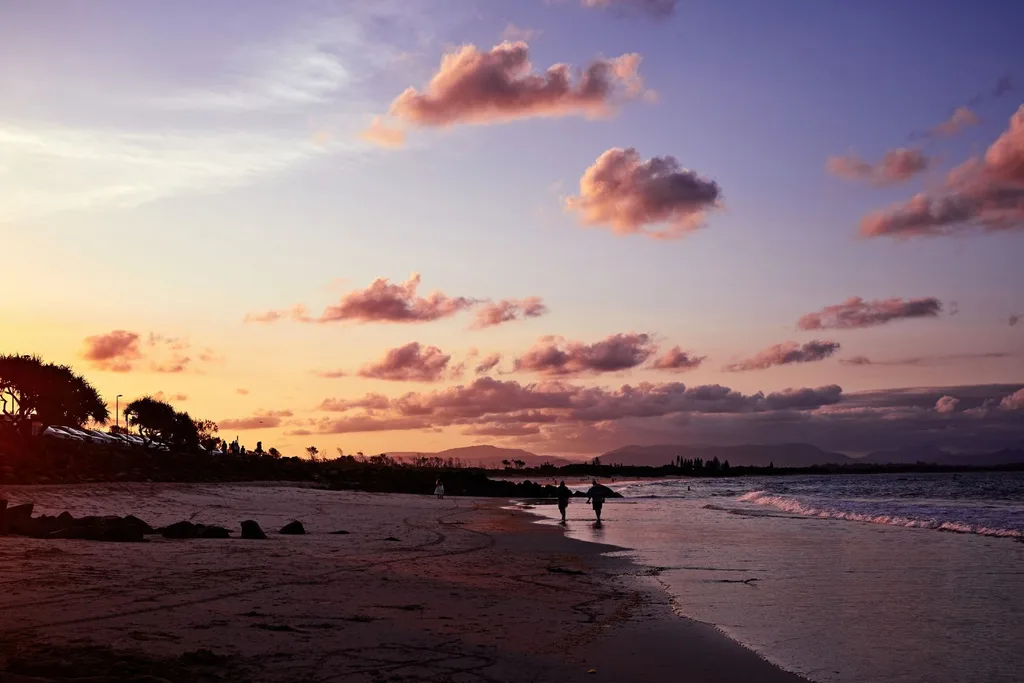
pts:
[839, 578]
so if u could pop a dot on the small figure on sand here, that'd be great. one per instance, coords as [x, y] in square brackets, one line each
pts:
[439, 489]
[596, 494]
[564, 494]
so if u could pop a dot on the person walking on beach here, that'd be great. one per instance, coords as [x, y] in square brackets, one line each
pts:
[564, 494]
[439, 490]
[596, 494]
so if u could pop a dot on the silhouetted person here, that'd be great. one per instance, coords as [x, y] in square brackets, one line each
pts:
[596, 494]
[564, 494]
[439, 490]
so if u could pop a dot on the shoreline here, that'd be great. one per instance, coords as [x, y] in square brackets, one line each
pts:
[419, 590]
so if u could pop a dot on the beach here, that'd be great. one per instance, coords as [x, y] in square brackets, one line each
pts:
[419, 589]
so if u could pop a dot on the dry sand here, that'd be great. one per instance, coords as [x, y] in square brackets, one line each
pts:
[469, 591]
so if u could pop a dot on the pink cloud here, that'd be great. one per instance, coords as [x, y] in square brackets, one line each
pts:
[482, 87]
[927, 360]
[896, 166]
[979, 195]
[507, 405]
[487, 363]
[115, 351]
[161, 396]
[383, 135]
[659, 9]
[630, 195]
[947, 404]
[1014, 401]
[554, 356]
[786, 353]
[332, 374]
[383, 301]
[856, 313]
[242, 392]
[960, 119]
[264, 419]
[678, 360]
[506, 310]
[409, 363]
[297, 313]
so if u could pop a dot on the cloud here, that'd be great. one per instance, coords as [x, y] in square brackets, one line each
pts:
[630, 195]
[382, 301]
[659, 9]
[383, 135]
[927, 360]
[568, 418]
[784, 354]
[487, 363]
[556, 357]
[264, 419]
[1014, 401]
[409, 363]
[161, 396]
[514, 34]
[115, 351]
[242, 392]
[73, 169]
[857, 313]
[804, 397]
[677, 360]
[477, 87]
[947, 404]
[297, 313]
[332, 374]
[506, 310]
[1013, 320]
[394, 303]
[960, 119]
[896, 166]
[979, 195]
[123, 351]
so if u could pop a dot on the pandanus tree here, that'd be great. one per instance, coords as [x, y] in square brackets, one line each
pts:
[33, 390]
[159, 421]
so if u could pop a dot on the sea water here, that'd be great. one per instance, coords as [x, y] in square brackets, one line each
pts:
[839, 578]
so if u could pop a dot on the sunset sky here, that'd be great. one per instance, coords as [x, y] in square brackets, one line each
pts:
[317, 222]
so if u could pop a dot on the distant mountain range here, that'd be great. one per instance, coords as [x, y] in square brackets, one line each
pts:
[751, 455]
[487, 456]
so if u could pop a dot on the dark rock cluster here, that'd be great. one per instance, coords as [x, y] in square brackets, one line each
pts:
[18, 521]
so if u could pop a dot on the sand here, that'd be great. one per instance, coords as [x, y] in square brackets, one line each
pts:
[420, 589]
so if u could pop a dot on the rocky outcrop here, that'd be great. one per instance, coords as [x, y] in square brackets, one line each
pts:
[293, 529]
[179, 530]
[252, 530]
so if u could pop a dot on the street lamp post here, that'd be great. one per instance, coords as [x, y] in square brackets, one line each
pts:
[117, 410]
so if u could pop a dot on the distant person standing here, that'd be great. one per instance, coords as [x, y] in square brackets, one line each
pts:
[596, 496]
[564, 494]
[439, 489]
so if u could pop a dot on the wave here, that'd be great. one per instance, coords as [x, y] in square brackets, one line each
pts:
[796, 507]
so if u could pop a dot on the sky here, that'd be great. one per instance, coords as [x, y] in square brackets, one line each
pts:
[559, 225]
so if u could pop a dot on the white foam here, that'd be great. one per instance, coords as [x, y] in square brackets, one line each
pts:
[794, 506]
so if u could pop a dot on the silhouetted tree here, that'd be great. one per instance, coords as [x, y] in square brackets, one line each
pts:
[313, 452]
[596, 462]
[507, 464]
[274, 453]
[206, 430]
[48, 393]
[159, 421]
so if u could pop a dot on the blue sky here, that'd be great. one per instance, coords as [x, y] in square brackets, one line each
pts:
[171, 168]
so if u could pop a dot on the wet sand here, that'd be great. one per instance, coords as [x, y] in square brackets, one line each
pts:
[419, 590]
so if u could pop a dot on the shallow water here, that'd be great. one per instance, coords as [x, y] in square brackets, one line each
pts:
[842, 579]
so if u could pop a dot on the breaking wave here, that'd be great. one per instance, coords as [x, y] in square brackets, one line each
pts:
[797, 507]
